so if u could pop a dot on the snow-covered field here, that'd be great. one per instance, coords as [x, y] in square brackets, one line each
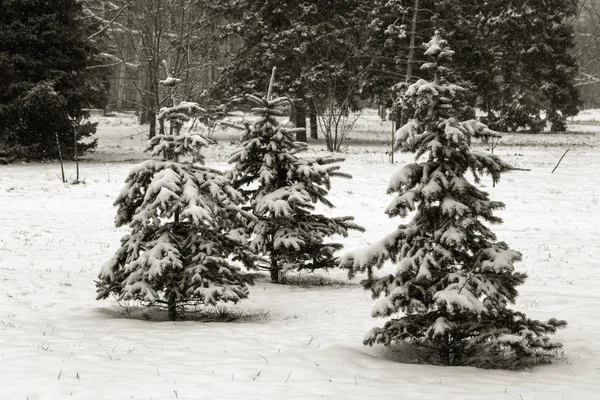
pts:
[296, 342]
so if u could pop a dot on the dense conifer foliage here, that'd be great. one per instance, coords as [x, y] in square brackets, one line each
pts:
[454, 282]
[44, 86]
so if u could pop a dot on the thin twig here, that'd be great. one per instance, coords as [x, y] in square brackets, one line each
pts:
[271, 84]
[558, 163]
[263, 358]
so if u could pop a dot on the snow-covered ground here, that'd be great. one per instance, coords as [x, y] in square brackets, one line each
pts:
[297, 342]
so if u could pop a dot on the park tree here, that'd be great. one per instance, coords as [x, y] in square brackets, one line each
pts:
[587, 52]
[315, 46]
[516, 55]
[45, 85]
[396, 30]
[334, 65]
[281, 190]
[454, 280]
[143, 33]
[183, 218]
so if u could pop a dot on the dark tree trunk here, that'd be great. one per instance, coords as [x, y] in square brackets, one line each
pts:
[172, 305]
[300, 121]
[153, 94]
[293, 112]
[402, 118]
[312, 117]
[274, 270]
[142, 116]
[151, 116]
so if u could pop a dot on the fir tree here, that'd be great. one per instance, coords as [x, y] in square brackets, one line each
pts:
[183, 218]
[518, 56]
[45, 84]
[313, 44]
[454, 280]
[282, 190]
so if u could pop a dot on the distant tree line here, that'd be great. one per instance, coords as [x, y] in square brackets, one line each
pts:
[515, 55]
[522, 60]
[45, 84]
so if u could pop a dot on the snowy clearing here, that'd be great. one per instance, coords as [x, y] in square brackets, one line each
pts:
[56, 341]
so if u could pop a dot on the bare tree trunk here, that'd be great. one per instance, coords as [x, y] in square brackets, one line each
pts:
[146, 31]
[75, 150]
[121, 87]
[301, 121]
[60, 157]
[293, 113]
[153, 94]
[142, 116]
[274, 269]
[413, 34]
[172, 305]
[151, 114]
[402, 118]
[312, 117]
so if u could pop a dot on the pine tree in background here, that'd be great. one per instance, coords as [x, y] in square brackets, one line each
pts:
[454, 280]
[314, 44]
[183, 218]
[45, 83]
[519, 56]
[282, 190]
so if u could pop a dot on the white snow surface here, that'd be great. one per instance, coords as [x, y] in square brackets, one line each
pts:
[57, 341]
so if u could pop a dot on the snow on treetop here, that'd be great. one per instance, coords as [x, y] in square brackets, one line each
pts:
[434, 46]
[438, 46]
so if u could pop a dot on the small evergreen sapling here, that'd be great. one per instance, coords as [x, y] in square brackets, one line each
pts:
[282, 190]
[453, 281]
[182, 217]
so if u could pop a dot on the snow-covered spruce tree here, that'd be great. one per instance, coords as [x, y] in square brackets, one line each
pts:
[454, 281]
[182, 217]
[282, 190]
